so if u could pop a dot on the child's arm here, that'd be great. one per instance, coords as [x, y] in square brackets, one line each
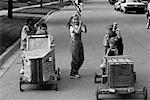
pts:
[105, 40]
[84, 28]
[51, 40]
[24, 32]
[118, 33]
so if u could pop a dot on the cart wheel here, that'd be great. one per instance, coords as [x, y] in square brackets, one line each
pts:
[58, 73]
[56, 88]
[20, 83]
[97, 94]
[134, 76]
[95, 79]
[125, 11]
[145, 93]
[97, 76]
[21, 87]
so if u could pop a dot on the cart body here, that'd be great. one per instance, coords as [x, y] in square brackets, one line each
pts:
[39, 61]
[119, 72]
[119, 77]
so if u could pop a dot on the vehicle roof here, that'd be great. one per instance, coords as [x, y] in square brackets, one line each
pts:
[132, 0]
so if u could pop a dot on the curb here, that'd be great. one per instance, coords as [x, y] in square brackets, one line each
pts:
[9, 52]
[44, 18]
[13, 48]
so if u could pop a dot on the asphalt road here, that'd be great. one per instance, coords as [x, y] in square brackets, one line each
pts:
[97, 15]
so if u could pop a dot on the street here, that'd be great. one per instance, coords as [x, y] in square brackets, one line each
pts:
[97, 14]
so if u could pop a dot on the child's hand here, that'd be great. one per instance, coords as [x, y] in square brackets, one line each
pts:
[117, 30]
[81, 22]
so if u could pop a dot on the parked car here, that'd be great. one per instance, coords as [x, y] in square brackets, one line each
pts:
[145, 1]
[133, 5]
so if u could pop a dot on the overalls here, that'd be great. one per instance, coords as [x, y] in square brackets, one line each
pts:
[77, 52]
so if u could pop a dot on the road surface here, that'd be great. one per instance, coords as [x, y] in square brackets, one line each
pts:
[97, 15]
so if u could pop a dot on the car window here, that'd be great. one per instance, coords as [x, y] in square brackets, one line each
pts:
[144, 0]
[122, 1]
[131, 0]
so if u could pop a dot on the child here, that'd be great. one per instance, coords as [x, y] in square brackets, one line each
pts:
[28, 29]
[42, 30]
[112, 51]
[76, 28]
[107, 36]
[115, 33]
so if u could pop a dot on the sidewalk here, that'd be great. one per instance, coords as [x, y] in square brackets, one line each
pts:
[4, 12]
[12, 28]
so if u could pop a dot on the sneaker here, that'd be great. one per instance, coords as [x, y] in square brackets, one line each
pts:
[22, 71]
[77, 76]
[74, 76]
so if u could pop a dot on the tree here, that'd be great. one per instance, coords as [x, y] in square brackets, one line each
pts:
[41, 3]
[10, 7]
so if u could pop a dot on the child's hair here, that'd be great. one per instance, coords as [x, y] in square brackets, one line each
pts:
[30, 20]
[112, 41]
[69, 22]
[43, 25]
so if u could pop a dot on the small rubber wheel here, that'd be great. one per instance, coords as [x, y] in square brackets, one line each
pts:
[20, 83]
[145, 93]
[58, 73]
[97, 96]
[56, 88]
[134, 76]
[125, 11]
[95, 79]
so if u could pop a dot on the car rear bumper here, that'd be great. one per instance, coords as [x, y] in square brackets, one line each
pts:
[135, 8]
[140, 9]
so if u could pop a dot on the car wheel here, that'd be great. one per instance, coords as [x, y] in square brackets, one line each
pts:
[125, 10]
[120, 10]
[112, 2]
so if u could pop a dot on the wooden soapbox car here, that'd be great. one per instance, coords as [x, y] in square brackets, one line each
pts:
[119, 78]
[38, 62]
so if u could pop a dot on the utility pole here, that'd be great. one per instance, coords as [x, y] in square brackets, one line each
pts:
[41, 3]
[60, 1]
[10, 7]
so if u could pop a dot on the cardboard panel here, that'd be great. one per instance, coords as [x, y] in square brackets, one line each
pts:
[38, 42]
[120, 72]
[47, 70]
[40, 55]
[27, 69]
[36, 69]
[120, 75]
